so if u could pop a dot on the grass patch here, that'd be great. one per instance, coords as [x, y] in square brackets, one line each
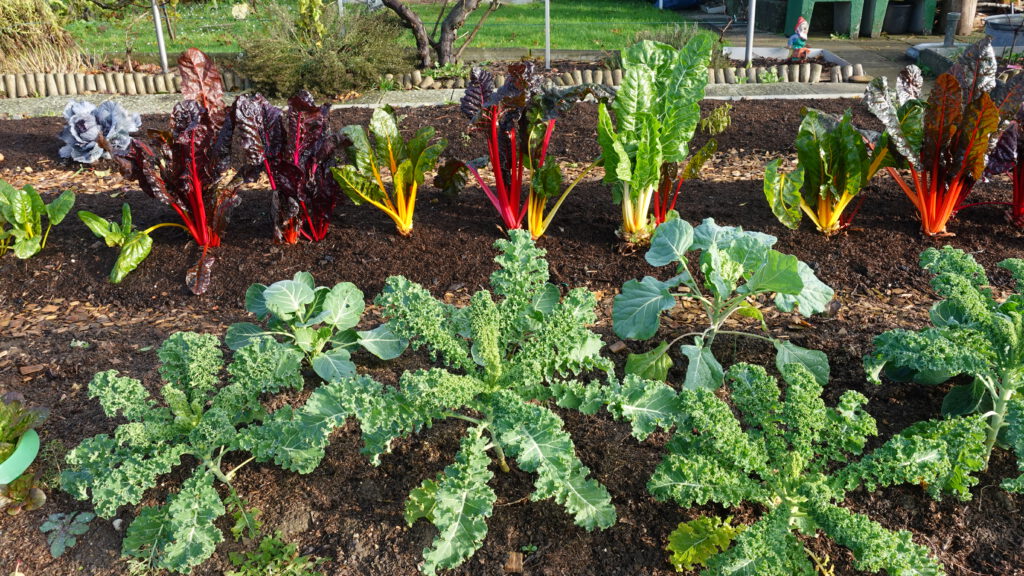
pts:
[575, 25]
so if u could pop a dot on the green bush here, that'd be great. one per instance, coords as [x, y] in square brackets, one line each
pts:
[287, 58]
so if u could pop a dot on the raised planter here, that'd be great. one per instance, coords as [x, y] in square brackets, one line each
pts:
[1005, 29]
[24, 454]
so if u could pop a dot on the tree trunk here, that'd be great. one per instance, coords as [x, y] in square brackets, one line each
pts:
[445, 45]
[968, 10]
[423, 42]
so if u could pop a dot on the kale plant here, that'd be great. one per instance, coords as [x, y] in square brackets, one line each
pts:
[319, 321]
[89, 127]
[737, 266]
[195, 418]
[499, 362]
[794, 456]
[972, 334]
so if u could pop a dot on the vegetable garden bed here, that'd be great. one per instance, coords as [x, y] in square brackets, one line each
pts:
[61, 322]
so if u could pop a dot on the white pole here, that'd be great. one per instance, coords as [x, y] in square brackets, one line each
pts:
[341, 15]
[750, 31]
[547, 34]
[159, 36]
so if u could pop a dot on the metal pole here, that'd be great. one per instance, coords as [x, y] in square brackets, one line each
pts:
[160, 36]
[547, 34]
[750, 32]
[341, 15]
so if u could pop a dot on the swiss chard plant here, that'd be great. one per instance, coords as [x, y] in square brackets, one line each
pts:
[1008, 156]
[974, 335]
[189, 172]
[656, 113]
[834, 165]
[499, 361]
[943, 143]
[93, 130]
[21, 218]
[295, 149]
[797, 459]
[194, 417]
[315, 320]
[406, 162]
[134, 245]
[518, 119]
[737, 268]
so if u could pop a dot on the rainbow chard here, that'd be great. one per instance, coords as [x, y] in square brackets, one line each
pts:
[656, 114]
[1007, 157]
[189, 172]
[518, 119]
[943, 142]
[407, 162]
[834, 165]
[295, 149]
[189, 175]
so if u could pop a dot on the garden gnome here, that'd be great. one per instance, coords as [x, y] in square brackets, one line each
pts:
[798, 41]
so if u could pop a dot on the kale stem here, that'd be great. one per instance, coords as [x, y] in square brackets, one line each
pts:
[737, 333]
[502, 463]
[467, 418]
[231, 473]
[997, 420]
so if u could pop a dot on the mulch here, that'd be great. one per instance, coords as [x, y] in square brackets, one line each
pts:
[61, 322]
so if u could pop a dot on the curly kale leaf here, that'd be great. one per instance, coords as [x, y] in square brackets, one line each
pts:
[972, 334]
[788, 451]
[458, 503]
[196, 418]
[874, 547]
[180, 534]
[501, 357]
[535, 437]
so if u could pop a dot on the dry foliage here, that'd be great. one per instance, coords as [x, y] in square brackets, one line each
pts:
[31, 40]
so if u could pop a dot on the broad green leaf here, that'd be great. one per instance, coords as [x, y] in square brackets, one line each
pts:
[813, 298]
[636, 310]
[702, 370]
[693, 543]
[670, 243]
[382, 342]
[59, 208]
[99, 226]
[255, 301]
[28, 247]
[651, 365]
[242, 333]
[778, 273]
[334, 365]
[965, 399]
[783, 193]
[815, 361]
[343, 306]
[135, 249]
[288, 298]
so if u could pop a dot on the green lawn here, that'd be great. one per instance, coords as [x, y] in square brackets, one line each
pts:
[575, 24]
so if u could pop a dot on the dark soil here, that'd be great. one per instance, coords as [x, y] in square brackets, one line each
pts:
[61, 322]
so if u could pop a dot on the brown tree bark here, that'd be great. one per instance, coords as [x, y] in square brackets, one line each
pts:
[968, 10]
[444, 47]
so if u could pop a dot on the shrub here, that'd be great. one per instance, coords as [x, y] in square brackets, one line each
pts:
[286, 59]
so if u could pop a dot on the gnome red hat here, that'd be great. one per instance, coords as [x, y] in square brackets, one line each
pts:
[801, 28]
